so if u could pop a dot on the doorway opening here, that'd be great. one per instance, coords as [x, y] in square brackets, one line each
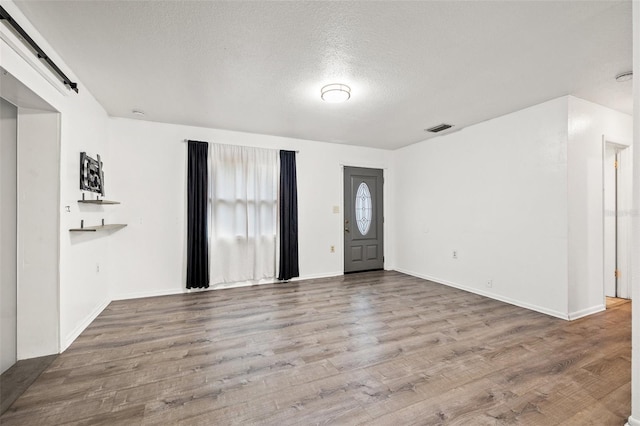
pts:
[8, 234]
[616, 230]
[29, 235]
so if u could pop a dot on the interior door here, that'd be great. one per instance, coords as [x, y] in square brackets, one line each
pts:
[363, 219]
[610, 222]
[623, 221]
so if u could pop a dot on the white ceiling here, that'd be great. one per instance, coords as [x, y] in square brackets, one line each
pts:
[259, 66]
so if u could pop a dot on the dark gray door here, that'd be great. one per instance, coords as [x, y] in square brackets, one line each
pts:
[363, 219]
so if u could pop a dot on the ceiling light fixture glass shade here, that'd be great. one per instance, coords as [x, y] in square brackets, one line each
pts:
[335, 93]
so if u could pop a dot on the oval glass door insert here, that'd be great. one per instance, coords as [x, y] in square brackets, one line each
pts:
[363, 208]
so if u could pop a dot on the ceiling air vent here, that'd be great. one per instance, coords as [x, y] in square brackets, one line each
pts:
[439, 128]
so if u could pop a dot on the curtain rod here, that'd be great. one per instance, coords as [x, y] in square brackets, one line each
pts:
[4, 16]
[187, 140]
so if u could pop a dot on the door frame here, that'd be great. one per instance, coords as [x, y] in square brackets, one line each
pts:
[9, 202]
[385, 227]
[623, 225]
[29, 344]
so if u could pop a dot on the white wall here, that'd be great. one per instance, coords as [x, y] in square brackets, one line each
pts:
[149, 178]
[588, 122]
[38, 228]
[83, 292]
[496, 193]
[8, 233]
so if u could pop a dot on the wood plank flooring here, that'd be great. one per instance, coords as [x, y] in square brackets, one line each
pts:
[612, 302]
[377, 348]
[19, 377]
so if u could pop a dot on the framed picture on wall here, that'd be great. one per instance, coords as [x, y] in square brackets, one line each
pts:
[91, 174]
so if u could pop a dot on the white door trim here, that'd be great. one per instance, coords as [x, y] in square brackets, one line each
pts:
[623, 216]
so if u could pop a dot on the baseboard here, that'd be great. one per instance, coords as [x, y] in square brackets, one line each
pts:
[317, 276]
[69, 339]
[584, 312]
[632, 422]
[149, 293]
[173, 291]
[508, 300]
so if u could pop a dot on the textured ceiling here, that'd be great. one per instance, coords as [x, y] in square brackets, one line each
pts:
[259, 66]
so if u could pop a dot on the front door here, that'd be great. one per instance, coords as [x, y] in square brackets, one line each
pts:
[363, 219]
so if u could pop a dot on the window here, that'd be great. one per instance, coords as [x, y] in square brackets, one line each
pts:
[363, 208]
[243, 213]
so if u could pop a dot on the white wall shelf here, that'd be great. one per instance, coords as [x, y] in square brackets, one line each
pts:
[98, 202]
[102, 227]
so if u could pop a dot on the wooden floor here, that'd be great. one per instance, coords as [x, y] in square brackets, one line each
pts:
[378, 348]
[613, 302]
[19, 377]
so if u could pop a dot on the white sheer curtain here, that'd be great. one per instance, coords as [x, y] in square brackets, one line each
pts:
[244, 194]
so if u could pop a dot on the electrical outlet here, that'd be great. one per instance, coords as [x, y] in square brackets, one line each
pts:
[489, 283]
[97, 267]
[336, 209]
[332, 249]
[455, 254]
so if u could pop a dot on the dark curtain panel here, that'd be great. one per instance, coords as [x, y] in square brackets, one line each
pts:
[197, 199]
[288, 205]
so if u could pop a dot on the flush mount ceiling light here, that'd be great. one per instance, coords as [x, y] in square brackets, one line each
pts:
[625, 76]
[335, 93]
